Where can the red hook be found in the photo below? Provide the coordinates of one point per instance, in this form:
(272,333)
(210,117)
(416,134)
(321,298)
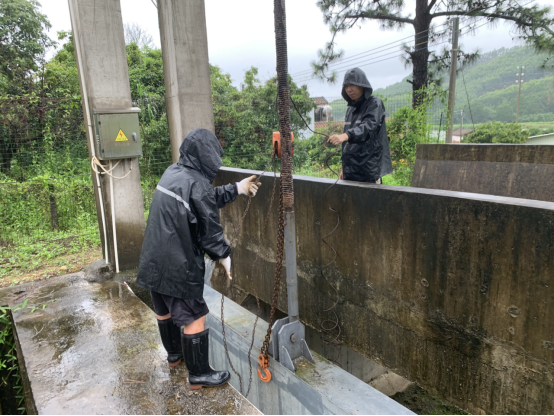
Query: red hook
(264,362)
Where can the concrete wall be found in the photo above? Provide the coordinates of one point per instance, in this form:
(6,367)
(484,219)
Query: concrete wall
(518,171)
(450,290)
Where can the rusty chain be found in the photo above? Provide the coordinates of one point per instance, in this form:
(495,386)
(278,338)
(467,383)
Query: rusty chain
(236,229)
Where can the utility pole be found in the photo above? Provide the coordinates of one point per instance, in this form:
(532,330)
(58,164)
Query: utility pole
(104,82)
(461,125)
(453,69)
(519,92)
(188,96)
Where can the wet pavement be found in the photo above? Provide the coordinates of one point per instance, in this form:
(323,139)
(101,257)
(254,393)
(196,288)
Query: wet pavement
(95,349)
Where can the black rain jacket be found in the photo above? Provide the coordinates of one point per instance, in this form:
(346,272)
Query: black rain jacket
(183,222)
(366,154)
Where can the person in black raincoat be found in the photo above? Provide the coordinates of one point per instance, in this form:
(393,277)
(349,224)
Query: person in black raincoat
(183,225)
(365,143)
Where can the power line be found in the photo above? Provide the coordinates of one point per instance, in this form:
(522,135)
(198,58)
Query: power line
(397,41)
(304,78)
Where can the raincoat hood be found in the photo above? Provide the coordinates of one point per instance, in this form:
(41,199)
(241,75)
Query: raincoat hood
(356,77)
(202,152)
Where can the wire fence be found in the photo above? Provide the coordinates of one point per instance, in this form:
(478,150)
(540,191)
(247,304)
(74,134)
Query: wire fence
(46,187)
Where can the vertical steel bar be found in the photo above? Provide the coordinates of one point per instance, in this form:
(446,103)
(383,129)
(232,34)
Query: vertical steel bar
(292,278)
(287,190)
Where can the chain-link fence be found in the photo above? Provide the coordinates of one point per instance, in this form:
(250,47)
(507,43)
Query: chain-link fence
(46,187)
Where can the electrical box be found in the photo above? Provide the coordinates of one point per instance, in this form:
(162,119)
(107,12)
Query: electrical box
(117,133)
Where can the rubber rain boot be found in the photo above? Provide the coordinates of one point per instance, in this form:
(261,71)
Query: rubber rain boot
(169,332)
(195,351)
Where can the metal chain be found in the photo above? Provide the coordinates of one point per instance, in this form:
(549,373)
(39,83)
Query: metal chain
(286,192)
(235,235)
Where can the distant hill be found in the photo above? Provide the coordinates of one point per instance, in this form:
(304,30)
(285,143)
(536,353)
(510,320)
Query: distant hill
(490,84)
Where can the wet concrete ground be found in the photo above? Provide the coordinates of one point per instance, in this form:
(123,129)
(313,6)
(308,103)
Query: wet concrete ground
(95,349)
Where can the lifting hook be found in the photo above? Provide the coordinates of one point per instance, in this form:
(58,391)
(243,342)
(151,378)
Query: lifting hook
(264,362)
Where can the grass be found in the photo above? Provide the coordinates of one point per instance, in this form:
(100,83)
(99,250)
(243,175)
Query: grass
(42,260)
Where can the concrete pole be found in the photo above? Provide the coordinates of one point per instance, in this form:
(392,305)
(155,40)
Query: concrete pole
(188,95)
(104,80)
(452,86)
(519,93)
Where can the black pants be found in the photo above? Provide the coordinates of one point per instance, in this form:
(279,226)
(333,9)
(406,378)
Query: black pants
(182,311)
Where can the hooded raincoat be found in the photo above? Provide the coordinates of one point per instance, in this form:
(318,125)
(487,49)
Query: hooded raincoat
(183,223)
(366,154)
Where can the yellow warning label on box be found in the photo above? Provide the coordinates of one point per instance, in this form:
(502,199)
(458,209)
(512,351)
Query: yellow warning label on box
(121,137)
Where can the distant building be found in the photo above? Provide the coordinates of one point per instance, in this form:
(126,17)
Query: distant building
(323,112)
(541,139)
(458,134)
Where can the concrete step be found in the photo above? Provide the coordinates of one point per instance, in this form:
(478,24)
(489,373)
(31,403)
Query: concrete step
(95,349)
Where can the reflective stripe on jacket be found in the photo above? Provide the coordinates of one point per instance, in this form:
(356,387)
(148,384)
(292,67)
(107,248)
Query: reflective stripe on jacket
(183,222)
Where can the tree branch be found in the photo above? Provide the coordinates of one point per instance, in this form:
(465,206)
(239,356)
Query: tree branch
(381,16)
(433,2)
(493,15)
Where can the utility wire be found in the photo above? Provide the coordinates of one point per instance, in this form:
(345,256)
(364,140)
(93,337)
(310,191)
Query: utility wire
(367,62)
(341,61)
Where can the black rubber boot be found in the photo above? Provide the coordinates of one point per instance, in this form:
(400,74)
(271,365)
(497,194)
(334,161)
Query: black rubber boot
(195,351)
(171,341)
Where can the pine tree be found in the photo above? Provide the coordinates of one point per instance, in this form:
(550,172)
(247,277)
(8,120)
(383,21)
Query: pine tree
(531,23)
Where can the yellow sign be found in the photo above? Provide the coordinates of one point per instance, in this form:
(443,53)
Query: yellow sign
(121,137)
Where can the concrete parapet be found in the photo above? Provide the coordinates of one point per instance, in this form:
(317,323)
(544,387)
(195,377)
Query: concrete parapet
(518,171)
(451,290)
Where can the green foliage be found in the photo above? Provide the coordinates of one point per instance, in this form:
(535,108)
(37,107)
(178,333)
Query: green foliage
(497,132)
(536,131)
(23,42)
(245,120)
(9,364)
(315,154)
(490,84)
(60,77)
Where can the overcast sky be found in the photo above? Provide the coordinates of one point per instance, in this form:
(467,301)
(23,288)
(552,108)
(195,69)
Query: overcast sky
(240,35)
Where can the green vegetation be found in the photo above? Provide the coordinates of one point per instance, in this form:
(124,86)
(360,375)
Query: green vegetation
(406,128)
(9,365)
(492,91)
(497,132)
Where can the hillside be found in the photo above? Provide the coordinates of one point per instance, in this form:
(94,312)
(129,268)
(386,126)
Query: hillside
(492,89)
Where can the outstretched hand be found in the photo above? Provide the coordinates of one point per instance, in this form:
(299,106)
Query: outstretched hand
(248,187)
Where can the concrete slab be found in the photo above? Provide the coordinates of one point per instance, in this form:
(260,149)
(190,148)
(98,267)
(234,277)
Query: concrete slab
(320,388)
(95,349)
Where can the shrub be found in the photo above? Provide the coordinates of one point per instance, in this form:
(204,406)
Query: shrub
(497,132)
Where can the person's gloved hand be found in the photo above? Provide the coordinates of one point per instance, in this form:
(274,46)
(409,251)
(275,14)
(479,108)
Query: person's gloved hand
(247,187)
(226,263)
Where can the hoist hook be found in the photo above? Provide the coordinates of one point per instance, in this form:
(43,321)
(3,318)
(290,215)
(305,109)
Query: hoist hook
(264,362)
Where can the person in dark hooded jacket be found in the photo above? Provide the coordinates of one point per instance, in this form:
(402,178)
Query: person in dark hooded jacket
(183,225)
(365,143)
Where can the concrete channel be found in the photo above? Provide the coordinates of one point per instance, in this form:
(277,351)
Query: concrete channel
(95,349)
